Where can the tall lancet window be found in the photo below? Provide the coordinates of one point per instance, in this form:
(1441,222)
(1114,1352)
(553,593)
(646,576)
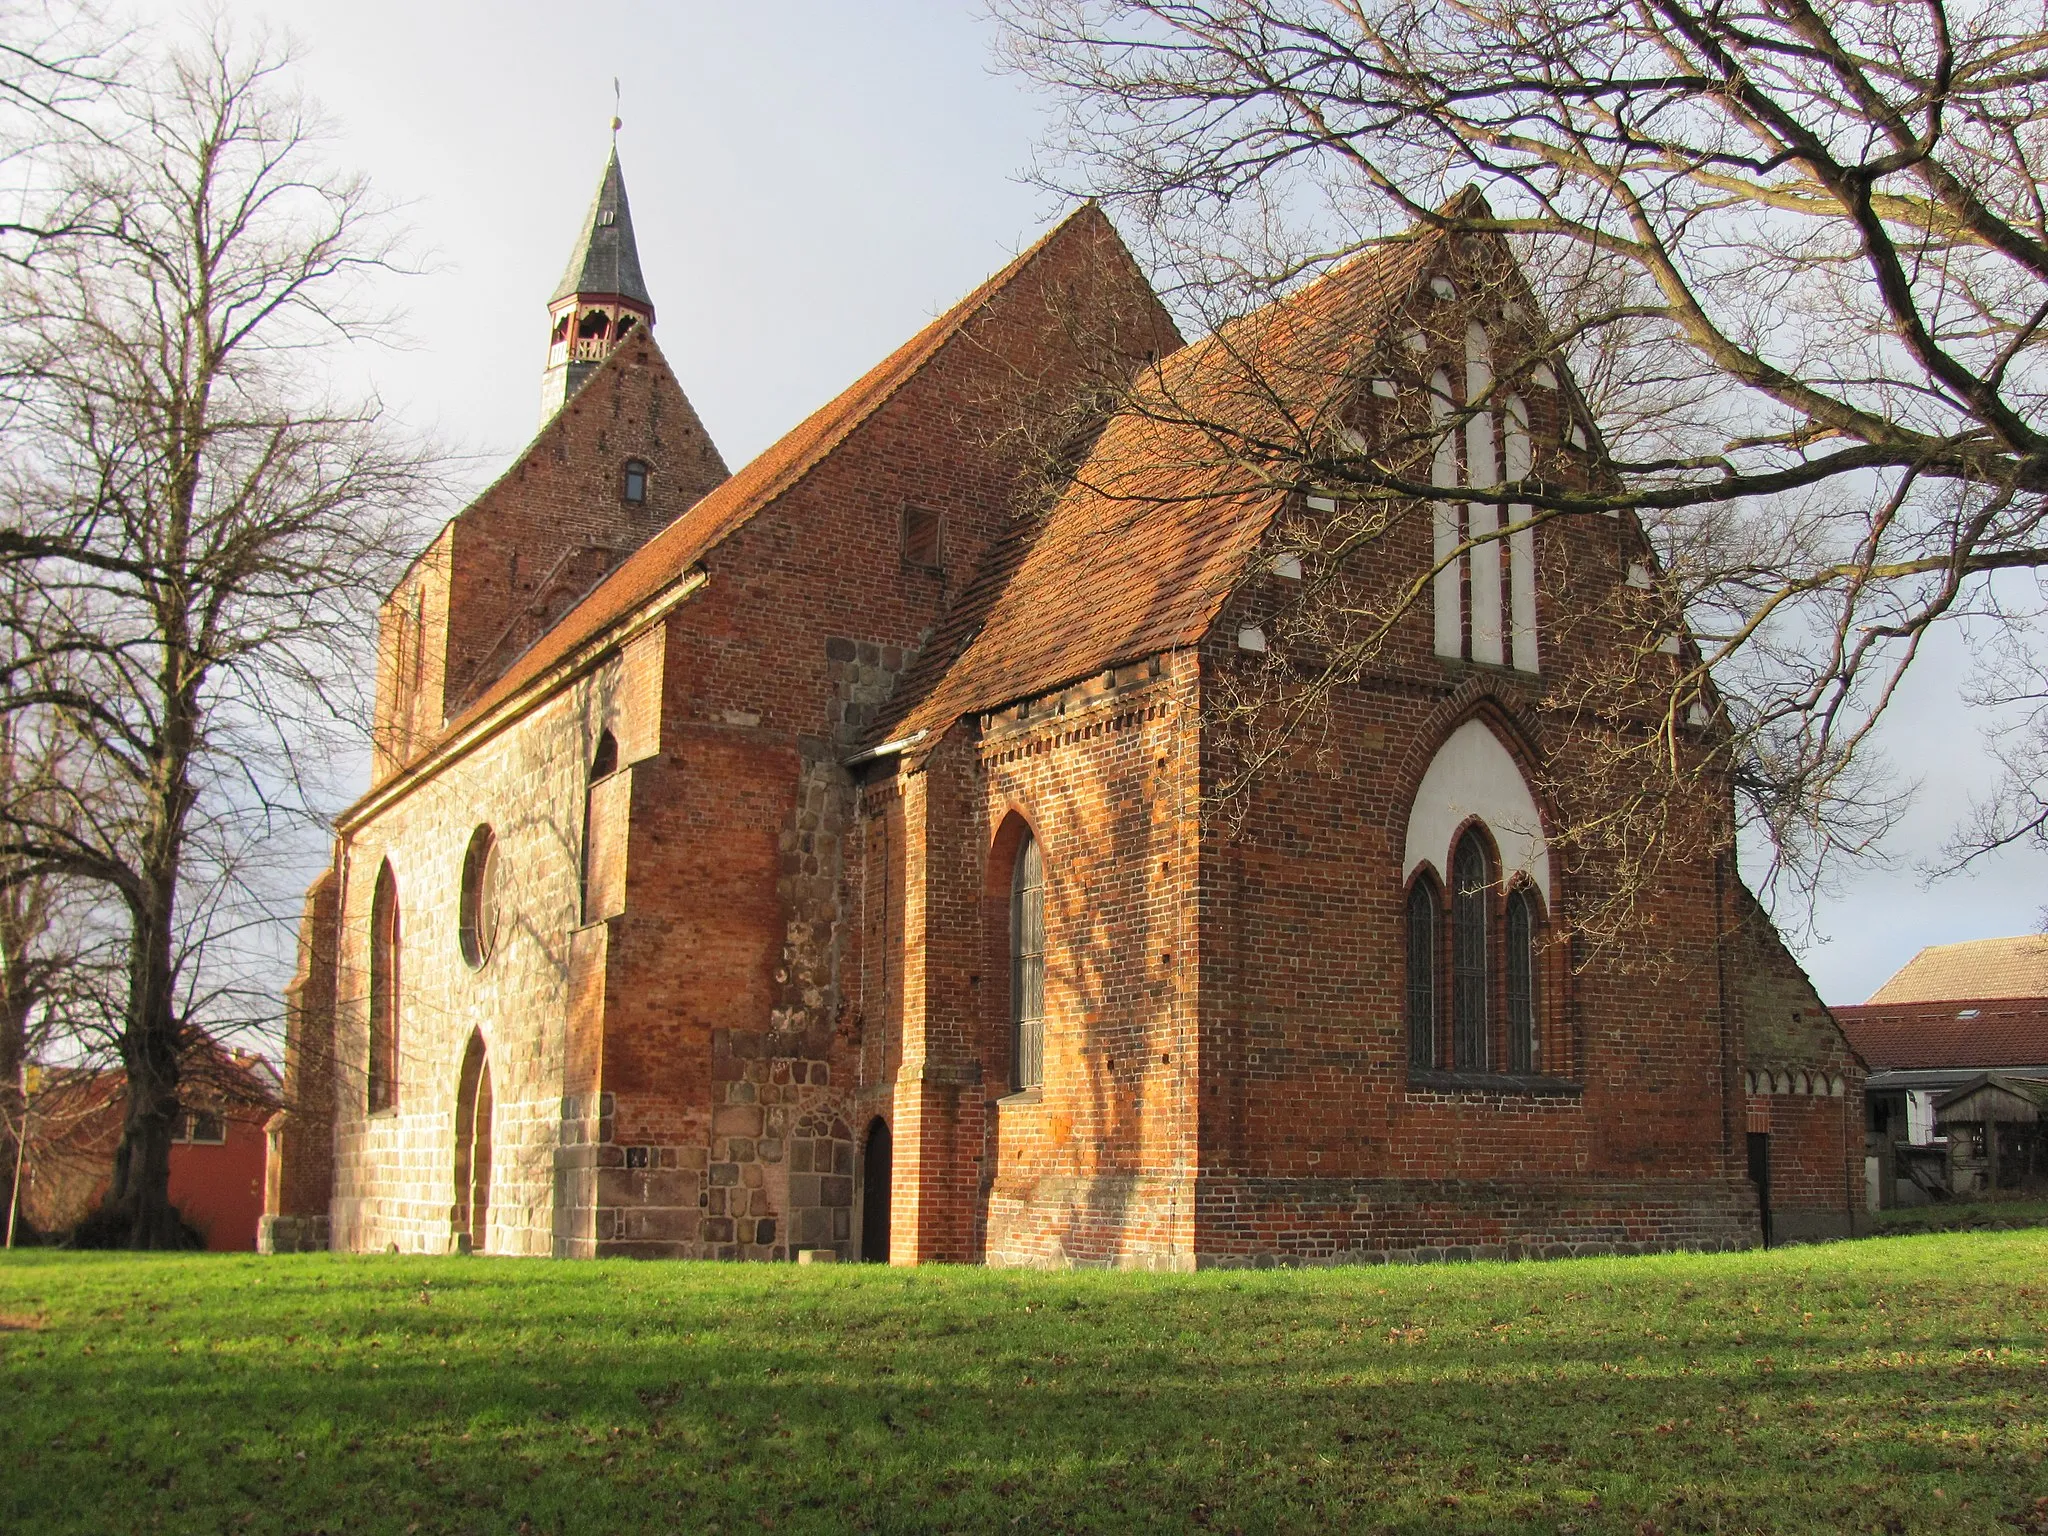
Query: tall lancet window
(1449,587)
(1521,932)
(1424,904)
(1027,966)
(1471,953)
(1482,471)
(384,958)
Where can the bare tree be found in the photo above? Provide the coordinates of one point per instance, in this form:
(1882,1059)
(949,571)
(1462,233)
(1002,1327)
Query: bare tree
(1796,255)
(198,527)
(58,960)
(58,61)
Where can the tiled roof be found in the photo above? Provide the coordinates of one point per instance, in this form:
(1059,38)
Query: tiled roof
(1980,968)
(1989,1032)
(1138,554)
(648,570)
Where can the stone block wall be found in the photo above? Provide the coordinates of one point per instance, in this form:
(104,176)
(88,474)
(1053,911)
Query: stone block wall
(394,1178)
(298,1178)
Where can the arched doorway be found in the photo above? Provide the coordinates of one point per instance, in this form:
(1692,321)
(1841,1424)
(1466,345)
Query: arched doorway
(472,1213)
(874,1191)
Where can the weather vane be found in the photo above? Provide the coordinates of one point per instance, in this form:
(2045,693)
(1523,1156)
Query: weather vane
(617,121)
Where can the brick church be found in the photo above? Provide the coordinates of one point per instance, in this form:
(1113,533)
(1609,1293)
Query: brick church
(821,855)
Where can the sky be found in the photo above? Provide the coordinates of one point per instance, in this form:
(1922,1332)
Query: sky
(810,183)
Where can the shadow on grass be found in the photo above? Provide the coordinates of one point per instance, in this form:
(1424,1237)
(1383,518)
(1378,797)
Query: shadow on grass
(1815,1389)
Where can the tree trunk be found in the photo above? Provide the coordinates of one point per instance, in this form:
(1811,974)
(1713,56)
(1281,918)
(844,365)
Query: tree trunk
(14,1013)
(138,1212)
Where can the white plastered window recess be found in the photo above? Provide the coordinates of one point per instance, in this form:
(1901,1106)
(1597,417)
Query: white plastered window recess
(1482,471)
(1521,542)
(1449,587)
(1474,776)
(1501,627)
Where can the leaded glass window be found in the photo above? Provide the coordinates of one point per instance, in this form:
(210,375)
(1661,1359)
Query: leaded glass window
(1422,978)
(1471,957)
(1521,978)
(1027,973)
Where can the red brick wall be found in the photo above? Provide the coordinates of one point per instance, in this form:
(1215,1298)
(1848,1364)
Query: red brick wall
(218,1189)
(1098,1165)
(732,1054)
(1802,1084)
(519,557)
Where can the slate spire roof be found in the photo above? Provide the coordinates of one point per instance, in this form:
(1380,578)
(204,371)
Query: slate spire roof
(606,261)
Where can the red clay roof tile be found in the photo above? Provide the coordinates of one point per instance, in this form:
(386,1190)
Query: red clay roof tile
(1992,1032)
(1142,548)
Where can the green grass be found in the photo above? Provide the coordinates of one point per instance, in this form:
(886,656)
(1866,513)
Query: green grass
(1980,1215)
(1892,1386)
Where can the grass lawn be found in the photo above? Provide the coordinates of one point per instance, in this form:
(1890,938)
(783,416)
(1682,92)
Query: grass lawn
(1894,1385)
(1963,1216)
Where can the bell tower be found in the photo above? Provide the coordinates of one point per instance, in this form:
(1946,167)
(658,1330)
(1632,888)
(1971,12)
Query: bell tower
(602,298)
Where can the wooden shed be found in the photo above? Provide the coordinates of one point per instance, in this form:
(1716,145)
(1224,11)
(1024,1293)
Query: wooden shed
(1995,1125)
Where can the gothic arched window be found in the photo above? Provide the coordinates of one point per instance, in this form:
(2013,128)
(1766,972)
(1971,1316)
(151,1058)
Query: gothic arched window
(1471,952)
(478,908)
(1521,936)
(1424,908)
(384,958)
(603,764)
(1027,966)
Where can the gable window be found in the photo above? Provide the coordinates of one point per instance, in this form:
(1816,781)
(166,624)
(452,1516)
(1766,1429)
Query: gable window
(1521,933)
(1471,957)
(635,487)
(923,539)
(478,908)
(1424,905)
(603,764)
(1027,967)
(384,957)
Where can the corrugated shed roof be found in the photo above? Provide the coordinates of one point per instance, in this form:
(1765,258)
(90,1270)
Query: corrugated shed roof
(1979,968)
(1980,1034)
(649,570)
(1139,552)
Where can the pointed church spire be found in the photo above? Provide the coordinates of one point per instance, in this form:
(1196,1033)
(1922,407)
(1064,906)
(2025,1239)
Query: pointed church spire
(602,297)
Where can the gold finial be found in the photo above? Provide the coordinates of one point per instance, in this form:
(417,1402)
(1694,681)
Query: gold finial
(617,121)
